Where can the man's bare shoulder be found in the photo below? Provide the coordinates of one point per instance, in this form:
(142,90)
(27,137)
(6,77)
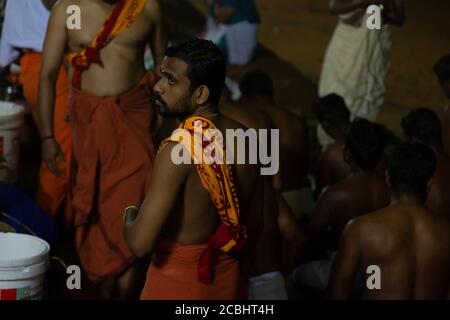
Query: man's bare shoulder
(264,121)
(367,224)
(228,123)
(164,158)
(334,195)
(62,5)
(152,8)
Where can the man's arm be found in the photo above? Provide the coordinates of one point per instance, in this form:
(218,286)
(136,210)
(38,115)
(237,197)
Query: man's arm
(158,36)
(396,12)
(346,263)
(325,169)
(321,218)
(53,55)
(142,229)
(346,6)
(225,10)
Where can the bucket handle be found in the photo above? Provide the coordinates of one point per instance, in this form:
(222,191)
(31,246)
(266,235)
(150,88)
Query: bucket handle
(61,261)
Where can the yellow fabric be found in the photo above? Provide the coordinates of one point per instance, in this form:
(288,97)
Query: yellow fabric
(217,178)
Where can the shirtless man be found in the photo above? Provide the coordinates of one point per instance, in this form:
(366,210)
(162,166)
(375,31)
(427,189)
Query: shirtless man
(111,114)
(334,117)
(365,190)
(423,126)
(406,241)
(257,110)
(178,219)
(442,70)
(258,95)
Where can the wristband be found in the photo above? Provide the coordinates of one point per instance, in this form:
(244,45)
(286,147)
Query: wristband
(52,136)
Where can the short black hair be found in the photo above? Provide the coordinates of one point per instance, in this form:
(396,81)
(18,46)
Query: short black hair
(365,144)
(424,125)
(442,68)
(206,65)
(333,110)
(257,83)
(410,167)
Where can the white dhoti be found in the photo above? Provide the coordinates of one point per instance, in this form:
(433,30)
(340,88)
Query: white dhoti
(268,286)
(241,39)
(355,67)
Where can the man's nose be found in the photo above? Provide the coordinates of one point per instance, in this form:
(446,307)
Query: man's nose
(158,87)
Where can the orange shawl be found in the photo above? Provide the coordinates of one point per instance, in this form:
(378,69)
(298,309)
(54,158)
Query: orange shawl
(218,179)
(123,15)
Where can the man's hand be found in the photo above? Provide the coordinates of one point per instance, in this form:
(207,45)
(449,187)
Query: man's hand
(51,151)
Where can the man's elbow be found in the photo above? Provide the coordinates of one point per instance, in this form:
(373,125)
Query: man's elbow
(136,247)
(48,77)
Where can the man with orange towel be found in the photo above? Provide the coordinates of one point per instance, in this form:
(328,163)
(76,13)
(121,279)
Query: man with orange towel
(202,220)
(112,117)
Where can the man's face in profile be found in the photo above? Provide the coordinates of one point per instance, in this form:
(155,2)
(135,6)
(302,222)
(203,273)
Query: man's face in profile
(172,93)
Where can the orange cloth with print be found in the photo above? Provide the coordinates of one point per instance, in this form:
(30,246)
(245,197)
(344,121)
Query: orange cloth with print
(218,178)
(114,153)
(53,191)
(123,15)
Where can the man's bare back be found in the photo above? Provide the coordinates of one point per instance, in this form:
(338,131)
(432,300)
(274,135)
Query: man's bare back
(122,59)
(410,245)
(293,140)
(332,166)
(360,193)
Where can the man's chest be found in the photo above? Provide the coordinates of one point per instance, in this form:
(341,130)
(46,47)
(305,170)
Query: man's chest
(92,21)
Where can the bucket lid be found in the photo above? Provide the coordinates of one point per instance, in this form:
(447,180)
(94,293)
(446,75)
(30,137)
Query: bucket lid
(9,109)
(20,250)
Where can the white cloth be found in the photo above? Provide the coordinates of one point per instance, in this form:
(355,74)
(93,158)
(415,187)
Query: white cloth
(314,274)
(24,26)
(241,39)
(268,286)
(355,67)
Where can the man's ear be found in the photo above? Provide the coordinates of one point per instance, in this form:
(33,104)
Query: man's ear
(201,95)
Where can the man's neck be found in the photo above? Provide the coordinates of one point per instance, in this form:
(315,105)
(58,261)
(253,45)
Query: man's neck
(407,199)
(258,102)
(207,111)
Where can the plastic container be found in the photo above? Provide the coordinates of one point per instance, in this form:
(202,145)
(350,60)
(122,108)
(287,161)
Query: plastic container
(11,121)
(24,260)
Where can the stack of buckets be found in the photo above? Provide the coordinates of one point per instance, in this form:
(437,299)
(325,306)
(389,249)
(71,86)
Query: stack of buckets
(11,121)
(24,259)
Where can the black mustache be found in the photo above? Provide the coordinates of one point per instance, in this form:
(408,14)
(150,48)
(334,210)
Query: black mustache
(157,97)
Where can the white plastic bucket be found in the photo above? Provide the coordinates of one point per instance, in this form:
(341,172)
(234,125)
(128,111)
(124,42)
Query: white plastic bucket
(24,260)
(11,121)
